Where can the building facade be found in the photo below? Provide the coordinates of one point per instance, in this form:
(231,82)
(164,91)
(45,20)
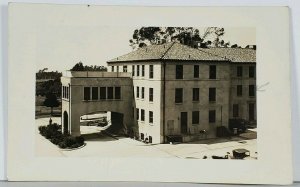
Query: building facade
(172,90)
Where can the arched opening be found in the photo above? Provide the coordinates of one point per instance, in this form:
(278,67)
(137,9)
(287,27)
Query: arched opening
(66,124)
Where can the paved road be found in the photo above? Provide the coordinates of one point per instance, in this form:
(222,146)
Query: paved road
(100,145)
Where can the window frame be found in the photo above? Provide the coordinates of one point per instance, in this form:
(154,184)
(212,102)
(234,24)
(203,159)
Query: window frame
(151,94)
(251,90)
(179,71)
(180,101)
(97,93)
(110,90)
(212,72)
(85,88)
(196,98)
(239,71)
(151,117)
(142,115)
(196,71)
(151,72)
(212,95)
(239,90)
(102,92)
(252,71)
(118,88)
(210,119)
(195,117)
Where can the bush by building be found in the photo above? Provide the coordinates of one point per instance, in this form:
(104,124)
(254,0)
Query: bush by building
(53,133)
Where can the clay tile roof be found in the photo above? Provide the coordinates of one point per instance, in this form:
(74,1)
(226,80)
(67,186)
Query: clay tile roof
(177,51)
(234,54)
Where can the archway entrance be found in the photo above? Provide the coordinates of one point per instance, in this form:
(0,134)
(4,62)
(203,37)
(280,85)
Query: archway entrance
(65,126)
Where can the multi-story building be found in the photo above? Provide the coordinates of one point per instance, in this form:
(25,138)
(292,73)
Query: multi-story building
(167,90)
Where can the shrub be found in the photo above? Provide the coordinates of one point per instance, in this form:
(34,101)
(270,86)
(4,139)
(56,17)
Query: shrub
(53,133)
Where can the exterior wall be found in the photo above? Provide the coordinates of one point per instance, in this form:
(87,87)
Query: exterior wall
(173,110)
(79,107)
(244,100)
(148,129)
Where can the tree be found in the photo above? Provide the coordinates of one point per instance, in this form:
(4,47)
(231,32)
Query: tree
(186,35)
(51,101)
(80,67)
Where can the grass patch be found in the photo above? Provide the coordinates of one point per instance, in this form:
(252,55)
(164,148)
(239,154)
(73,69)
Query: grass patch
(53,133)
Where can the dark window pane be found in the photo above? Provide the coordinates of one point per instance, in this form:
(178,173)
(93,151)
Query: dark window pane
(252,71)
(142,115)
(137,92)
(117,92)
(102,93)
(196,71)
(143,92)
(239,72)
(112,68)
(212,72)
(142,136)
(124,68)
(87,92)
(143,70)
(179,71)
(239,90)
(150,117)
(68,92)
(117,68)
(195,94)
(195,117)
(94,93)
(151,71)
(137,114)
(178,95)
(133,70)
(212,116)
(212,94)
(110,92)
(235,110)
(138,70)
(151,94)
(251,90)
(150,139)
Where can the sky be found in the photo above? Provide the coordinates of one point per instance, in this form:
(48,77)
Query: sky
(59,48)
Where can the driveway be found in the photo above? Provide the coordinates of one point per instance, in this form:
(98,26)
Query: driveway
(101,145)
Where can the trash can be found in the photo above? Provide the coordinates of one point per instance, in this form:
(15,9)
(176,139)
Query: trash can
(235,131)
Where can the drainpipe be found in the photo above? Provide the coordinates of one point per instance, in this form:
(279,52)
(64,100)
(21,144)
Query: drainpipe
(164,100)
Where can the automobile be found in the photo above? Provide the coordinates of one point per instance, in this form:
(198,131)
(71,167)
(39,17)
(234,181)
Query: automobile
(240,153)
(239,124)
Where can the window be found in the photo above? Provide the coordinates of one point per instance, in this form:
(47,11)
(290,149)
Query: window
(143,70)
(143,92)
(137,114)
(235,110)
(239,90)
(212,94)
(179,71)
(178,95)
(138,70)
(142,115)
(124,68)
(150,139)
(94,93)
(251,91)
(196,71)
(137,92)
(212,72)
(112,68)
(102,93)
(68,91)
(133,70)
(239,71)
(212,116)
(110,92)
(251,71)
(195,94)
(150,117)
(117,92)
(151,94)
(151,71)
(195,117)
(117,68)
(87,93)
(142,136)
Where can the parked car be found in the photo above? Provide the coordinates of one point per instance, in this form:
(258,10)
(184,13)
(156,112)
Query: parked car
(239,124)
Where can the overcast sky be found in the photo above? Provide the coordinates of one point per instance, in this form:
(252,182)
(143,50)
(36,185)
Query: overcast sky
(60,48)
